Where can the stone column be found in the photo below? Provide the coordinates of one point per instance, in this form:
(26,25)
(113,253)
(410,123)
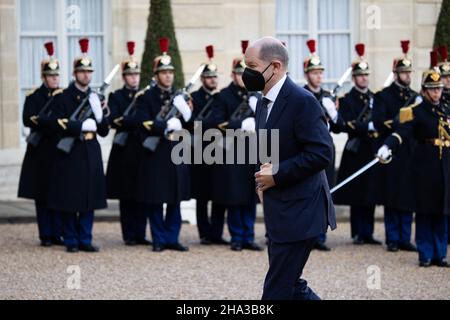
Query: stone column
(9,80)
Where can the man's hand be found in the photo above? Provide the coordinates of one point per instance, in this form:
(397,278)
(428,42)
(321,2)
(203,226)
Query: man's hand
(330,106)
(260,196)
(174,124)
(183,107)
(89,125)
(264,178)
(384,154)
(248,125)
(96,106)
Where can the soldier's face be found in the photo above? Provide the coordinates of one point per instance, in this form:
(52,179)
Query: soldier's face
(404,78)
(84,78)
(446,81)
(315,78)
(165,78)
(52,81)
(132,80)
(362,81)
(210,83)
(433,95)
(237,79)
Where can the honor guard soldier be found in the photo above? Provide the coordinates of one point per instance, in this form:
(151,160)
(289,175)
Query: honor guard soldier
(395,184)
(355,109)
(233,184)
(313,70)
(444,68)
(210,230)
(122,171)
(160,181)
(77,185)
(428,122)
(38,161)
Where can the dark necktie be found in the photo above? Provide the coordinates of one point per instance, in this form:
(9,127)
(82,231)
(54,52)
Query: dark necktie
(264,112)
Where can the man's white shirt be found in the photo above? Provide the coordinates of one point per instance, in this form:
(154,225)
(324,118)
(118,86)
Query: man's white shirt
(273,93)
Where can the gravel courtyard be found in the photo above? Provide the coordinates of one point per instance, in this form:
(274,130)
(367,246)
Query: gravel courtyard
(28,271)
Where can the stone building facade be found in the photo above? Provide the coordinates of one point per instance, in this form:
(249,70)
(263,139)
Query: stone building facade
(339,24)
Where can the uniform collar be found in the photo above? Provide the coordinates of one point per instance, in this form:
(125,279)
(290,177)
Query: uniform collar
(76,93)
(208,92)
(45,90)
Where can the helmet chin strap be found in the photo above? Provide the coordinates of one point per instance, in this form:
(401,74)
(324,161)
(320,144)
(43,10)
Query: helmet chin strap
(427,97)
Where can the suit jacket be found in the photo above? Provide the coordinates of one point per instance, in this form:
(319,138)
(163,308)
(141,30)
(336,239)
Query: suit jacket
(299,207)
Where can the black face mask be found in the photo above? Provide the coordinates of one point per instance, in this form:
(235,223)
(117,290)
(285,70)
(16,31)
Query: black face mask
(254,80)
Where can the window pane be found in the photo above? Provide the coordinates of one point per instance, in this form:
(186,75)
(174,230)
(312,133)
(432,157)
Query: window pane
(95,52)
(32,52)
(84,16)
(297,53)
(292,15)
(334,51)
(38,16)
(334,14)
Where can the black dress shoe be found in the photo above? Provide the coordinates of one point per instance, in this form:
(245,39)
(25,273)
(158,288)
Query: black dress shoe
(441,263)
(221,242)
(392,247)
(236,246)
(130,243)
(205,242)
(407,247)
(72,249)
(372,241)
(57,241)
(88,248)
(177,247)
(46,243)
(321,246)
(425,264)
(252,246)
(143,242)
(158,248)
(358,241)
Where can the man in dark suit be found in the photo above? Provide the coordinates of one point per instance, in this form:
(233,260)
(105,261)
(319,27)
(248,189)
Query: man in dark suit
(295,193)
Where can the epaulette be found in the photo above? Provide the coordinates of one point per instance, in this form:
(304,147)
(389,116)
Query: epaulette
(407,113)
(142,92)
(56,92)
(223,126)
(29,93)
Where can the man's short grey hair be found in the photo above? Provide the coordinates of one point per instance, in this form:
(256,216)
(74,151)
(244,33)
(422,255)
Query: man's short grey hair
(274,51)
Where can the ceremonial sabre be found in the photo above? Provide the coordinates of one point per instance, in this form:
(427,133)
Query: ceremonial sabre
(389,80)
(341,81)
(358,173)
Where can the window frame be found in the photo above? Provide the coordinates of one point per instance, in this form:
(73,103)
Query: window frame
(62,36)
(313,31)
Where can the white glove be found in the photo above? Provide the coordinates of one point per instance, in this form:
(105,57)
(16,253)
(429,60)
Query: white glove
(384,153)
(329,105)
(418,100)
(182,107)
(89,125)
(248,125)
(174,124)
(371,126)
(96,106)
(252,102)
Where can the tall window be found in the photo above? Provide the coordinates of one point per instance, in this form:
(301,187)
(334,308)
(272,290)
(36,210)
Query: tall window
(327,21)
(64,22)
